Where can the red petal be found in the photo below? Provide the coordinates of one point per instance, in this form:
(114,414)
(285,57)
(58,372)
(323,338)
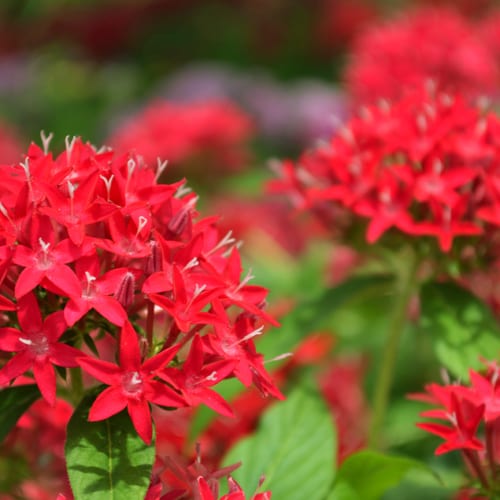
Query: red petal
(16,366)
(27,280)
(104,371)
(29,316)
(65,279)
(130,354)
(65,355)
(161,394)
(9,340)
(75,309)
(111,309)
(141,418)
(46,380)
(54,325)
(108,403)
(161,359)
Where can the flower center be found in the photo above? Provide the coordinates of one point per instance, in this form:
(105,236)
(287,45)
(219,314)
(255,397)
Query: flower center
(37,344)
(132,384)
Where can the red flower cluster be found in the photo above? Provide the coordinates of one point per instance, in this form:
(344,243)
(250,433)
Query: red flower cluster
(92,245)
(426,165)
(215,131)
(197,481)
(472,425)
(427,43)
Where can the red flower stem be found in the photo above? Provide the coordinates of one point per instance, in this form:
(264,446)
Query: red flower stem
(150,320)
(490,449)
(403,294)
(472,458)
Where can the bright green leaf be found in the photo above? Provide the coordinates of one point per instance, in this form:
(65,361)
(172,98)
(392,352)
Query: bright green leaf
(294,448)
(106,459)
(367,475)
(461,327)
(14,401)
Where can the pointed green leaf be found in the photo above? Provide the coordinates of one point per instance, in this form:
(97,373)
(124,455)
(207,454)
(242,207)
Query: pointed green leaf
(461,327)
(14,401)
(294,448)
(367,475)
(106,460)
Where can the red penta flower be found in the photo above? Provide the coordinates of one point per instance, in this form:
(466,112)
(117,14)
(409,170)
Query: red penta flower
(36,347)
(424,165)
(91,242)
(436,44)
(133,383)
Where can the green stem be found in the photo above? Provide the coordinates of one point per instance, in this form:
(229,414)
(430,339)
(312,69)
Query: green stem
(404,291)
(76,385)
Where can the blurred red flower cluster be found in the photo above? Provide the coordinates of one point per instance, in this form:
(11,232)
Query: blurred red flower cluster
(211,135)
(426,164)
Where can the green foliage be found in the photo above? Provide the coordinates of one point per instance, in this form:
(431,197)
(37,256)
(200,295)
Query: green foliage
(294,448)
(106,459)
(367,475)
(14,401)
(462,327)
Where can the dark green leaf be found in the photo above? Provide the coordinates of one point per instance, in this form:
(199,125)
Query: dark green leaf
(462,327)
(367,475)
(14,401)
(294,448)
(89,342)
(106,459)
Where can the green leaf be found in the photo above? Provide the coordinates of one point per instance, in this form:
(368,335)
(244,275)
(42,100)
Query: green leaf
(14,401)
(461,327)
(367,475)
(294,448)
(317,313)
(106,459)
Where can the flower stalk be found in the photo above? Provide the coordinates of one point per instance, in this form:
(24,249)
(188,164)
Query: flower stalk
(404,290)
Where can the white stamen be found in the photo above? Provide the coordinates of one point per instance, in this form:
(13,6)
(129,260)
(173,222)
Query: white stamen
(69,146)
(26,167)
(276,167)
(25,341)
(45,246)
(198,289)
(141,224)
(227,240)
(89,277)
(181,191)
(108,183)
(162,165)
(212,377)
(131,164)
(71,189)
(46,139)
(192,263)
(248,336)
(3,211)
(285,355)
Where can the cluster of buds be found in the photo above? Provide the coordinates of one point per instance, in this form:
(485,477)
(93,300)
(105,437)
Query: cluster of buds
(215,130)
(92,250)
(472,425)
(426,165)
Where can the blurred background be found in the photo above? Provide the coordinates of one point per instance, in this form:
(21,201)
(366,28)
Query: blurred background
(79,67)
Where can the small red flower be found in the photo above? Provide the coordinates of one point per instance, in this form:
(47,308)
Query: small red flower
(132,383)
(36,346)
